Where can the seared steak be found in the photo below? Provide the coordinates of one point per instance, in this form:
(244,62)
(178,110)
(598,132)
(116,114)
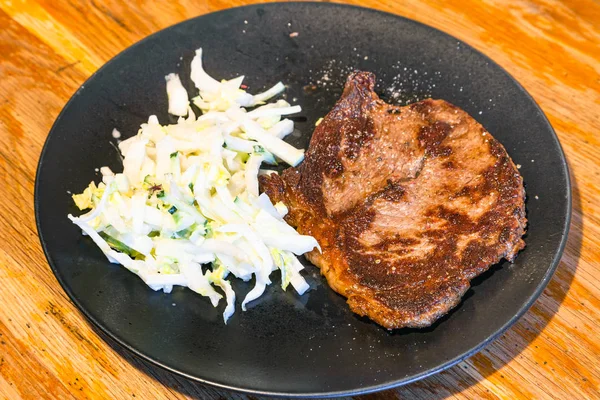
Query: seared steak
(408,203)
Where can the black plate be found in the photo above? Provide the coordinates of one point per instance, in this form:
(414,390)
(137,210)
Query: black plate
(285,344)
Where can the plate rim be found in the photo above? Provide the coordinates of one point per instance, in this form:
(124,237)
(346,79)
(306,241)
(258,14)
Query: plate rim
(322,394)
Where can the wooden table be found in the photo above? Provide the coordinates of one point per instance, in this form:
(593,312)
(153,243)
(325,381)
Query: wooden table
(48,48)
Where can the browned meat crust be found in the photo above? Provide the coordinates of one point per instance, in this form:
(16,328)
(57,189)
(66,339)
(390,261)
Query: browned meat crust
(408,203)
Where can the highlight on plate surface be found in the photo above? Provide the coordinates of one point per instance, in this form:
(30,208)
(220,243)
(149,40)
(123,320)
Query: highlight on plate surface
(188,194)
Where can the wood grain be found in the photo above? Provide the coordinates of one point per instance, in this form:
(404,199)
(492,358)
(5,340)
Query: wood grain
(48,48)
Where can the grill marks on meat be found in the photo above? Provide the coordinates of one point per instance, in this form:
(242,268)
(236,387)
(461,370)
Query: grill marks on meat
(408,203)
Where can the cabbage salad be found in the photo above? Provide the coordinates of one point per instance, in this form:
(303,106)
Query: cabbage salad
(188,194)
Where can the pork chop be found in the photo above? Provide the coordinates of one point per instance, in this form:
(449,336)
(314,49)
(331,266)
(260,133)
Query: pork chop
(408,204)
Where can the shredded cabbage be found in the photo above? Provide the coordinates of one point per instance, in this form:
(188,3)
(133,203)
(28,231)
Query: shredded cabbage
(188,195)
(178,97)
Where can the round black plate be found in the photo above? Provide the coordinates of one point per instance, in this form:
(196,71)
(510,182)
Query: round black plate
(286,344)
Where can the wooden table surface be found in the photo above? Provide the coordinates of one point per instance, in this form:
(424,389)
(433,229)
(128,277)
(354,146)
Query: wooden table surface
(49,47)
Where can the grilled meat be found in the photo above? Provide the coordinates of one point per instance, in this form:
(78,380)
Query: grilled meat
(408,203)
